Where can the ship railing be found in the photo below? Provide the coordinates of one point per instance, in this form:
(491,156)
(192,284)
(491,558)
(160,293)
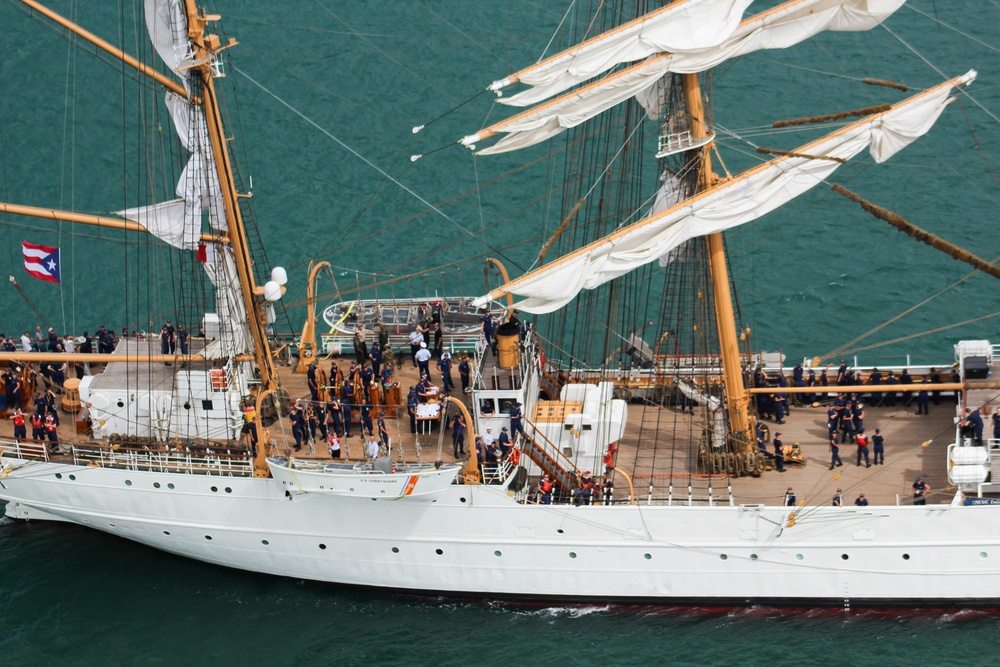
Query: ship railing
(226,465)
(33,451)
(496,473)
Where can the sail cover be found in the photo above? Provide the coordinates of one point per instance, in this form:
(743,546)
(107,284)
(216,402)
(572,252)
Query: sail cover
(692,25)
(779,28)
(743,199)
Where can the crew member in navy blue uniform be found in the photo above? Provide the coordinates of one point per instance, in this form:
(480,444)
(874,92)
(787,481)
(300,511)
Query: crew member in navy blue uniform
(995,417)
(838,498)
(504,441)
(312,383)
(923,400)
(798,380)
(834,453)
(811,381)
(779,453)
(920,488)
(295,417)
(489,328)
(464,373)
(348,406)
(444,365)
(789,497)
(842,373)
(375,356)
(875,379)
(878,448)
(411,408)
(516,425)
(890,396)
(935,379)
(906,378)
(366,419)
(780,405)
(858,417)
(832,420)
(846,423)
(975,420)
(861,501)
(383,431)
(333,415)
(367,375)
(458,435)
(182,337)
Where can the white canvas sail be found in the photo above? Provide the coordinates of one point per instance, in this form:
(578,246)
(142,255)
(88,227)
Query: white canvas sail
(166,221)
(167,26)
(691,25)
(779,28)
(736,202)
(221,269)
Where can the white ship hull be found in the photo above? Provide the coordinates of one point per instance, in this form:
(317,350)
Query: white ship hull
(478,541)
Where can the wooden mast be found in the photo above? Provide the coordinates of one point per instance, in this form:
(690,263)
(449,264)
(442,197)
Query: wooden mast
(206,48)
(737,400)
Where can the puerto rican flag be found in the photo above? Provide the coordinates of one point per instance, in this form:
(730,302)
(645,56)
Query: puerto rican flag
(41,261)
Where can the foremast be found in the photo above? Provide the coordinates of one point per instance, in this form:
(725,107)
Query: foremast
(737,401)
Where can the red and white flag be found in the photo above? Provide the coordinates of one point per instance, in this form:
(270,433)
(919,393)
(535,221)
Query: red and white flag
(41,261)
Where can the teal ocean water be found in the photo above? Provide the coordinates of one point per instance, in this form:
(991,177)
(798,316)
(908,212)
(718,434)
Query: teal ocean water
(327,95)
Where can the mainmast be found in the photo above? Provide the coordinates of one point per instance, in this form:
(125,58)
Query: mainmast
(207,47)
(736,396)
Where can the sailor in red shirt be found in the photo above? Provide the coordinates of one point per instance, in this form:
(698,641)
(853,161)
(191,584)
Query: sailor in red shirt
(20,431)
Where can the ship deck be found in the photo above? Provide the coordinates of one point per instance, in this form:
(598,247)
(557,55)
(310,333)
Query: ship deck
(915,445)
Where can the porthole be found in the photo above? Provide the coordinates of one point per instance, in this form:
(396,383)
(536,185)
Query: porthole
(844,556)
(322,546)
(395,550)
(128,482)
(559,530)
(58,475)
(498,553)
(461,500)
(73,477)
(112,525)
(799,556)
(170,485)
(215,489)
(753,556)
(648,556)
(156,485)
(572,554)
(982,554)
(208,537)
(264,542)
(166,532)
(906,556)
(228,490)
(438,552)
(723,556)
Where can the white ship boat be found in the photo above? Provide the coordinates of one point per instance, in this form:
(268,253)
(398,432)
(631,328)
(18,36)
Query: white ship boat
(167,468)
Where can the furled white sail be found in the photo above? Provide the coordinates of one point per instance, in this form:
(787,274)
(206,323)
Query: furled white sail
(167,222)
(732,203)
(779,28)
(690,25)
(167,26)
(221,269)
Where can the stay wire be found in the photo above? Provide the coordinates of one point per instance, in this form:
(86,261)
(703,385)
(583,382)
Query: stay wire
(371,164)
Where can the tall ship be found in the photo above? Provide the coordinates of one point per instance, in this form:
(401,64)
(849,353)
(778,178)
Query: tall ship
(622,446)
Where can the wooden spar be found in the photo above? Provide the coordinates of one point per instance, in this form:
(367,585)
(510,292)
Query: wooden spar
(887,84)
(695,199)
(568,53)
(96,358)
(506,278)
(206,47)
(82,218)
(140,67)
(877,388)
(307,344)
(737,400)
(911,230)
